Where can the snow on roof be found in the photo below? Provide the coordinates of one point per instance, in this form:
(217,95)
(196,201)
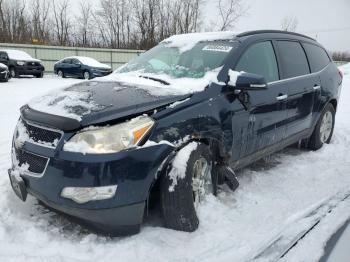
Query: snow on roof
(186,42)
(89,61)
(19,55)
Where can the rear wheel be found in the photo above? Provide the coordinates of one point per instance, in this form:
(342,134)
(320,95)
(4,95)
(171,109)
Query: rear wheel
(13,72)
(183,189)
(41,75)
(324,129)
(87,75)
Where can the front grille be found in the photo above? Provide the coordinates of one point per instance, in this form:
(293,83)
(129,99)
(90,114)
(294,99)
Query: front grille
(32,63)
(37,164)
(42,135)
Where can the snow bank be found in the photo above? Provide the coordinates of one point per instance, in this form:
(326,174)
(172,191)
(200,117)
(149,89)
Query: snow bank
(90,62)
(71,104)
(20,55)
(186,42)
(179,164)
(345,69)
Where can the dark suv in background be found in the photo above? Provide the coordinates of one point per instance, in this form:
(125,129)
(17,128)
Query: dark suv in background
(21,63)
(81,67)
(172,124)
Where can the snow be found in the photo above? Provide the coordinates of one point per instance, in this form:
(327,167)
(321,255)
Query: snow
(63,102)
(3,66)
(233,77)
(179,164)
(274,195)
(19,55)
(89,61)
(186,42)
(177,86)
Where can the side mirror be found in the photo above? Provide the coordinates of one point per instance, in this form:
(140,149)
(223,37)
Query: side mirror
(247,81)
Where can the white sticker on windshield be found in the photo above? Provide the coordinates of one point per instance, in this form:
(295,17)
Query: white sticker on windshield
(217,48)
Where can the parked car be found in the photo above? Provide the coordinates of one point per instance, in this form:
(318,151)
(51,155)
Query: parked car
(171,125)
(82,67)
(4,73)
(21,63)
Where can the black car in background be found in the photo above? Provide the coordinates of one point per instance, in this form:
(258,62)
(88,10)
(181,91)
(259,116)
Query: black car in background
(81,67)
(4,73)
(21,63)
(171,125)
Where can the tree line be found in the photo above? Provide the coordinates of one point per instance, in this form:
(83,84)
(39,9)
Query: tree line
(133,24)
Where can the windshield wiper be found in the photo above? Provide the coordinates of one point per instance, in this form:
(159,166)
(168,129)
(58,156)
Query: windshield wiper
(156,79)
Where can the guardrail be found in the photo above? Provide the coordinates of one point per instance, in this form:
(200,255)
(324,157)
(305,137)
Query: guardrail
(51,54)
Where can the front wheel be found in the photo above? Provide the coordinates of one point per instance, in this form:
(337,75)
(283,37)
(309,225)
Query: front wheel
(184,185)
(324,129)
(60,74)
(41,75)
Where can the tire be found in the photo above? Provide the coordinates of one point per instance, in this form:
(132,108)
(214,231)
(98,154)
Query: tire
(86,75)
(179,201)
(60,74)
(41,75)
(13,72)
(324,129)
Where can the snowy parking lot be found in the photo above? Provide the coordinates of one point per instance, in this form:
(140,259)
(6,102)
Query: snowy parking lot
(278,201)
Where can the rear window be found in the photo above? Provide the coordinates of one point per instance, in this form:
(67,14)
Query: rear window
(318,57)
(293,59)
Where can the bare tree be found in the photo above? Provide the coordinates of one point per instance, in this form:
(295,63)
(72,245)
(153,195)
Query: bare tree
(62,22)
(230,11)
(84,26)
(289,23)
(40,22)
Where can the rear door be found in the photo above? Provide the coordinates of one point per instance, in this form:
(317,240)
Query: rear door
(75,67)
(302,85)
(267,114)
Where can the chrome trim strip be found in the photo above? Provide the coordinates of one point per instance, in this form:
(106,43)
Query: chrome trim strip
(296,77)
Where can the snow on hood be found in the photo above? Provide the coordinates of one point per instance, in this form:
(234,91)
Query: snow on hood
(90,62)
(177,86)
(20,55)
(186,42)
(3,66)
(67,103)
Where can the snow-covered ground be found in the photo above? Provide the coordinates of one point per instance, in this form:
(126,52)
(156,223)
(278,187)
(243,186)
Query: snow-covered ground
(277,201)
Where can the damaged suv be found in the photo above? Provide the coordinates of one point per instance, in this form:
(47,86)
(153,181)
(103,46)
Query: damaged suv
(171,125)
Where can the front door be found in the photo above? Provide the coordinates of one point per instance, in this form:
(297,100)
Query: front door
(267,113)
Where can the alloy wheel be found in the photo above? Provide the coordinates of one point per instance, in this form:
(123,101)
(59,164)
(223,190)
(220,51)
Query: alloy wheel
(326,126)
(201,181)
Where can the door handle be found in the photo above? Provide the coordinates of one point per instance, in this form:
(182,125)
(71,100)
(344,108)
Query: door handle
(282,97)
(317,87)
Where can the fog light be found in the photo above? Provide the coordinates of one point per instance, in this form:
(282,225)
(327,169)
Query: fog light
(83,195)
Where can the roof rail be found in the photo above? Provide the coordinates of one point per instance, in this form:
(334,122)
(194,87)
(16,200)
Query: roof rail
(248,33)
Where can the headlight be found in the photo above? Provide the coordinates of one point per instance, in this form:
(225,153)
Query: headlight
(110,139)
(20,63)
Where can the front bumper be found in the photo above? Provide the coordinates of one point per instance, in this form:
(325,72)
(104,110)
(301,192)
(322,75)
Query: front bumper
(134,171)
(96,73)
(29,70)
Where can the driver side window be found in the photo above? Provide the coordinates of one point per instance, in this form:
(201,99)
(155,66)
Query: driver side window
(260,59)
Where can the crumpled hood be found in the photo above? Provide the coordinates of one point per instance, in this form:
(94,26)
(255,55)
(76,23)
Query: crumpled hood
(94,102)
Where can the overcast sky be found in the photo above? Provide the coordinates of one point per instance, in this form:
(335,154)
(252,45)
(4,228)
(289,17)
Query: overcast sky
(326,20)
